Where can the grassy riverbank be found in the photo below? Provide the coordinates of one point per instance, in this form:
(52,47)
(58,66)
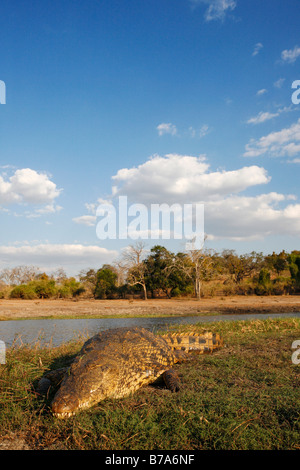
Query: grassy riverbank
(245,396)
(16,309)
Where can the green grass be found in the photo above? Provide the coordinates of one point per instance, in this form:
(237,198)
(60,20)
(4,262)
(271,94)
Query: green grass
(244,396)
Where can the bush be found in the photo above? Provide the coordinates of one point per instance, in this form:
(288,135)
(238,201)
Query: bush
(229,288)
(45,289)
(185,292)
(176,292)
(264,277)
(70,288)
(64,292)
(282,286)
(78,291)
(23,291)
(264,285)
(263,290)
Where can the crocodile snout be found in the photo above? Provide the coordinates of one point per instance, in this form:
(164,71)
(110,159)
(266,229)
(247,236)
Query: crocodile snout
(63,407)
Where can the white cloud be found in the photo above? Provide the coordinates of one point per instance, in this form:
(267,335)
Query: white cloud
(279,83)
(284,143)
(166,128)
(249,218)
(265,116)
(89,220)
(290,55)
(262,117)
(183,178)
(228,213)
(261,92)
(28,186)
(171,129)
(202,132)
(49,209)
(71,256)
(257,48)
(217,9)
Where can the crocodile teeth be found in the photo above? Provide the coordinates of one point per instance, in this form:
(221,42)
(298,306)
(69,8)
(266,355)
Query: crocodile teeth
(63,415)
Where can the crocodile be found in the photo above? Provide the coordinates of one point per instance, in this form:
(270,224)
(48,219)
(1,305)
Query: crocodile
(117,362)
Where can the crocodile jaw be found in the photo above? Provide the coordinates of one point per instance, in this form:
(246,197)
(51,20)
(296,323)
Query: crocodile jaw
(67,414)
(63,415)
(64,407)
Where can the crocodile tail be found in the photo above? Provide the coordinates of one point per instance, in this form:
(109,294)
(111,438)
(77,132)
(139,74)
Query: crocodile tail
(194,342)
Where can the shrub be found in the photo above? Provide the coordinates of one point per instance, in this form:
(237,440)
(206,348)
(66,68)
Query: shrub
(183,292)
(282,285)
(70,288)
(264,285)
(64,292)
(229,288)
(23,291)
(78,291)
(264,277)
(45,289)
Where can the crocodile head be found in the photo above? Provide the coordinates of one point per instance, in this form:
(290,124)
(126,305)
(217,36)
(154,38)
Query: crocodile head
(88,381)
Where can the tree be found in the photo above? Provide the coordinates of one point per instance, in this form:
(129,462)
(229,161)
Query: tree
(133,258)
(89,279)
(120,269)
(19,275)
(60,275)
(106,282)
(241,266)
(277,262)
(202,268)
(294,266)
(158,276)
(180,275)
(196,266)
(264,277)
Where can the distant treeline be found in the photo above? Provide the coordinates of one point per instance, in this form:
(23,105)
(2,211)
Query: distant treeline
(161,273)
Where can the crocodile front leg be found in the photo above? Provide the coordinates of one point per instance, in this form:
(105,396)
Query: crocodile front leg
(54,378)
(171,380)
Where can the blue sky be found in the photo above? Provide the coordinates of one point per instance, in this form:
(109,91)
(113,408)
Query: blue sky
(166,101)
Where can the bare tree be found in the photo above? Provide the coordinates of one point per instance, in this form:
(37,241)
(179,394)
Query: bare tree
(60,275)
(120,268)
(201,268)
(19,275)
(133,258)
(7,275)
(196,265)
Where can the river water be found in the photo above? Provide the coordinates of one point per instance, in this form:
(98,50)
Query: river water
(53,332)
